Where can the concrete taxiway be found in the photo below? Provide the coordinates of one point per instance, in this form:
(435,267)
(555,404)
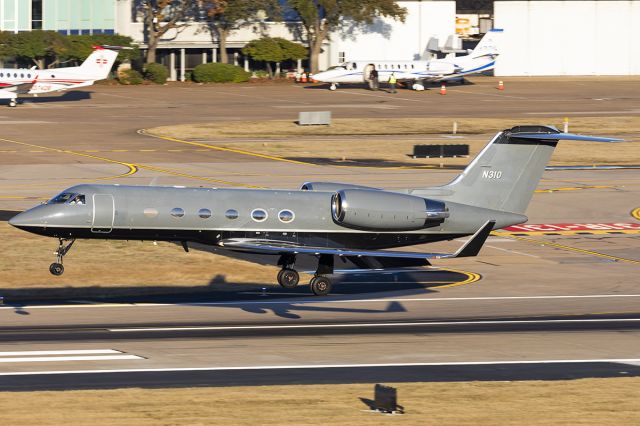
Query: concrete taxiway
(535,306)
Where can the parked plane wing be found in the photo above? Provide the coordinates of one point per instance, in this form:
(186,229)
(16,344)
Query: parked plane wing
(261,246)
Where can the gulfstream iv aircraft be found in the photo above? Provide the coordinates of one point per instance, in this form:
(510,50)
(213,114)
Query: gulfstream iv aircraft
(322,220)
(14,82)
(416,73)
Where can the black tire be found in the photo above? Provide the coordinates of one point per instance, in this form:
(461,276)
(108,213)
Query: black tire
(56,269)
(288,278)
(320,286)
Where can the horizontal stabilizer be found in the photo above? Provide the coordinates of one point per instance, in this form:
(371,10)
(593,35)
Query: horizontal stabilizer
(563,137)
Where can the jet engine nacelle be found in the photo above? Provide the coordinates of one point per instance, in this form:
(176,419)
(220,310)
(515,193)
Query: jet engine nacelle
(385,211)
(332,186)
(441,68)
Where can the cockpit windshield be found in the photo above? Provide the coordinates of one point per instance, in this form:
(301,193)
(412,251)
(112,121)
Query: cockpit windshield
(336,67)
(68,198)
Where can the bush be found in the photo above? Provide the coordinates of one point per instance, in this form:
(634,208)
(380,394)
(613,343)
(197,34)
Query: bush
(130,76)
(156,73)
(219,73)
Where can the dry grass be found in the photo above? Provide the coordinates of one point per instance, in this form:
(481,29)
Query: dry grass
(578,402)
(393,148)
(98,267)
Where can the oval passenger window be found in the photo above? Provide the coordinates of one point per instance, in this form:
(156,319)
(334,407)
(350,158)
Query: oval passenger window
(259,215)
(231,214)
(204,213)
(286,216)
(177,212)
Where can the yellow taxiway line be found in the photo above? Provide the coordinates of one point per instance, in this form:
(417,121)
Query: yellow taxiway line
(582,232)
(132,169)
(472,277)
(574,249)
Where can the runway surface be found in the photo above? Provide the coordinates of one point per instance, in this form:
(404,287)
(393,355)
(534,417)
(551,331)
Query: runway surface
(541,306)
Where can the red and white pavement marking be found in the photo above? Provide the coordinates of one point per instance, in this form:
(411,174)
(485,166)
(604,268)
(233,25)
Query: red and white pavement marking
(571,228)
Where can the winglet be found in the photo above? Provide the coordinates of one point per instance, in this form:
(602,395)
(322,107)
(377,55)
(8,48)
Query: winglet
(475,243)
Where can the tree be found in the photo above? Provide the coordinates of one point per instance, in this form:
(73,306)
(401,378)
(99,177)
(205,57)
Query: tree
(320,17)
(39,47)
(276,50)
(81,46)
(228,15)
(160,16)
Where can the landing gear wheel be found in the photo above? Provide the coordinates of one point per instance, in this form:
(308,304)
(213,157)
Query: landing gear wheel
(320,286)
(56,269)
(333,86)
(288,278)
(13,103)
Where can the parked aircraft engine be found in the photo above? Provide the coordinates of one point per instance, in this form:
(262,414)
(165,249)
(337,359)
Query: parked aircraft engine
(332,186)
(385,211)
(441,68)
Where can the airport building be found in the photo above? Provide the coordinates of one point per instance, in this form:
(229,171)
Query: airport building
(541,37)
(65,16)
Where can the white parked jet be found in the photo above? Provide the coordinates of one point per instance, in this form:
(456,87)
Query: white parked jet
(14,82)
(416,73)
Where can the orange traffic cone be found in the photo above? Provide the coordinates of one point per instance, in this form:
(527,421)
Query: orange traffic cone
(443,89)
(500,85)
(303,78)
(311,80)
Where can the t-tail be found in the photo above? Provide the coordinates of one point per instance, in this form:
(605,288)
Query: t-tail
(98,65)
(506,172)
(482,57)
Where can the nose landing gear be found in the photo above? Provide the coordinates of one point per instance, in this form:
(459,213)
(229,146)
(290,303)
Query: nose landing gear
(56,267)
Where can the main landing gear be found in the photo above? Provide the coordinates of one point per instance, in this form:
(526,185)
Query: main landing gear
(13,103)
(320,284)
(56,267)
(333,86)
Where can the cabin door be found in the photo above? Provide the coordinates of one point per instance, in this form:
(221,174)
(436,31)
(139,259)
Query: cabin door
(103,213)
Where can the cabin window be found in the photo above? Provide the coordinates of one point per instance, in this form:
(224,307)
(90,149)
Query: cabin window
(53,76)
(259,215)
(21,75)
(149,212)
(1,74)
(355,66)
(231,214)
(177,212)
(204,213)
(411,66)
(15,75)
(28,75)
(286,216)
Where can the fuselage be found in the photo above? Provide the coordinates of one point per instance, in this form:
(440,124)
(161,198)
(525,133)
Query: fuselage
(45,81)
(209,215)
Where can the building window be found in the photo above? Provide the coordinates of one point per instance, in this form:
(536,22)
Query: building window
(286,216)
(204,213)
(231,214)
(177,212)
(259,215)
(341,57)
(36,14)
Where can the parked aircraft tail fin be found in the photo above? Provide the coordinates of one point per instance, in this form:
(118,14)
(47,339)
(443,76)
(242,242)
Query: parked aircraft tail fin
(506,172)
(489,45)
(98,65)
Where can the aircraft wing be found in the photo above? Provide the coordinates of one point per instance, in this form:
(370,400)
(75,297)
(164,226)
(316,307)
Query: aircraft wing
(8,90)
(261,246)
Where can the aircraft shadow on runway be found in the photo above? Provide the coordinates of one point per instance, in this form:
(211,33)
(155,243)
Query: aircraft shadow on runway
(70,96)
(262,298)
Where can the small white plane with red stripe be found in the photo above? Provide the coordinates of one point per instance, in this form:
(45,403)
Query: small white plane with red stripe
(21,81)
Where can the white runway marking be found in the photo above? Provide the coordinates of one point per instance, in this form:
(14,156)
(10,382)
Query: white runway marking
(376,325)
(319,302)
(316,366)
(65,352)
(65,355)
(71,358)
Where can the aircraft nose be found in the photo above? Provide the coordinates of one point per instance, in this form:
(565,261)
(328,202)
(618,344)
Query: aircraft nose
(17,220)
(25,219)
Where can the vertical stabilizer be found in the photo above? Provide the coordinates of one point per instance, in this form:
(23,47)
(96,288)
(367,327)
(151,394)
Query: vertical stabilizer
(506,172)
(98,65)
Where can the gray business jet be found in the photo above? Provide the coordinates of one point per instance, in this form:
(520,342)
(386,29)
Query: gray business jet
(323,220)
